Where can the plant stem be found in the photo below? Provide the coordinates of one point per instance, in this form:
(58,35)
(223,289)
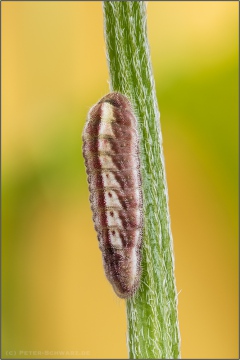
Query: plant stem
(153,330)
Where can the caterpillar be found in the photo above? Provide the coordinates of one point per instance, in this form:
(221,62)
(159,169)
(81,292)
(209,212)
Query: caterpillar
(111,153)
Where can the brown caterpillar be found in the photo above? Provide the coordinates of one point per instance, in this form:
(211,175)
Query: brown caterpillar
(111,153)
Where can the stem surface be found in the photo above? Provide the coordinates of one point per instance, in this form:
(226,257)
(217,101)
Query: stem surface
(153,330)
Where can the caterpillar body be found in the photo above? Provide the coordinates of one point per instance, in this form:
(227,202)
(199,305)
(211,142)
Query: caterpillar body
(111,153)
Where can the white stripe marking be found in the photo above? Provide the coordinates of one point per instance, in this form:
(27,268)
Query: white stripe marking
(109,180)
(111,199)
(106,120)
(115,239)
(106,162)
(104,145)
(113,218)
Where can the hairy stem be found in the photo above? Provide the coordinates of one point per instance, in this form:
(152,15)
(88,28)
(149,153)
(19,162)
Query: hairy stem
(153,330)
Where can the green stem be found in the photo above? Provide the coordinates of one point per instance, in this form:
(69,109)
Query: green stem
(153,330)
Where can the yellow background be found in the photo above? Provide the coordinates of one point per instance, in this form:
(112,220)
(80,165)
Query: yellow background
(54,293)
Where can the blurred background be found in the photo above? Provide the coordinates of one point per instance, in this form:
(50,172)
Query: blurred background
(56,301)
